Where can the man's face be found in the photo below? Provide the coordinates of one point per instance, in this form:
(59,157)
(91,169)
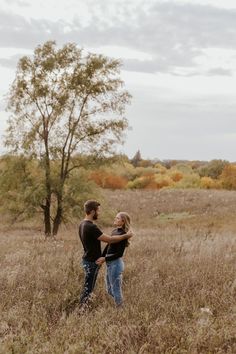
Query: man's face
(96,213)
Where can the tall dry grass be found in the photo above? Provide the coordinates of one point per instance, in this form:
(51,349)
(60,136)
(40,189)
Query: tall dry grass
(179,290)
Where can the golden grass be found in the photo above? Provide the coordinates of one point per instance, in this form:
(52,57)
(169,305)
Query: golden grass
(179,286)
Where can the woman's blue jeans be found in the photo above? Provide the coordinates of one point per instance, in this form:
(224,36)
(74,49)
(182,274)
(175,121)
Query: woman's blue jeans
(91,271)
(114,279)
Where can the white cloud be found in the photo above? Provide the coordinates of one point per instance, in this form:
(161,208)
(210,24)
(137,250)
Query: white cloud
(179,64)
(174,35)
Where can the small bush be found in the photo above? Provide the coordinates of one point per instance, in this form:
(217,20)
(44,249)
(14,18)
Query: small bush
(163,181)
(176,176)
(160,168)
(228,177)
(212,169)
(210,183)
(189,181)
(143,182)
(107,180)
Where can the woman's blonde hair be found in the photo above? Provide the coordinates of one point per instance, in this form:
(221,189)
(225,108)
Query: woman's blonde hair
(126,218)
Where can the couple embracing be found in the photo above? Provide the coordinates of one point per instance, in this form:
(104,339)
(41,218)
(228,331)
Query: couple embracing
(91,237)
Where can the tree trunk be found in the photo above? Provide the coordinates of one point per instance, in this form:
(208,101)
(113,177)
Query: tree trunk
(47,210)
(58,217)
(47,218)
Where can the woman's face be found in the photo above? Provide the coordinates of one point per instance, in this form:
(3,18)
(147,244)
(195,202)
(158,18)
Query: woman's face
(118,221)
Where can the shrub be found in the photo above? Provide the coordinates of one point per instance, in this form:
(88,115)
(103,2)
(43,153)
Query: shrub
(108,180)
(151,181)
(115,182)
(124,169)
(189,181)
(22,189)
(163,181)
(143,182)
(98,176)
(176,176)
(182,167)
(228,176)
(213,168)
(208,183)
(160,168)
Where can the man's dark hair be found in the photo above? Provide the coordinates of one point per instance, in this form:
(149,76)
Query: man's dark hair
(91,205)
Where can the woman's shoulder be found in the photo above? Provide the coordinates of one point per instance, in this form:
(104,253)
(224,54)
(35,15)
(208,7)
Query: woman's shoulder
(118,231)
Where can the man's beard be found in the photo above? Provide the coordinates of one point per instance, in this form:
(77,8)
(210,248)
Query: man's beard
(95,216)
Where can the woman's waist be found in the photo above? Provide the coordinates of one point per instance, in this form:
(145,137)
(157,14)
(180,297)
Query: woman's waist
(117,259)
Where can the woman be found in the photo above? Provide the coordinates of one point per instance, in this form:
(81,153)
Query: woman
(112,255)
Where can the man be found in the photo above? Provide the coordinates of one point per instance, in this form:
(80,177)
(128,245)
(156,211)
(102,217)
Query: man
(91,237)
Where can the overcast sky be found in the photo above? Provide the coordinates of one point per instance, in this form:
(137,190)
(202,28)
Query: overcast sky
(179,65)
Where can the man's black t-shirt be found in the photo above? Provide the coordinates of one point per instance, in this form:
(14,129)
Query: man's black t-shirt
(115,250)
(89,233)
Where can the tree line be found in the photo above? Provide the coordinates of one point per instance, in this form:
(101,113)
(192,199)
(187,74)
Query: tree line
(67,116)
(157,174)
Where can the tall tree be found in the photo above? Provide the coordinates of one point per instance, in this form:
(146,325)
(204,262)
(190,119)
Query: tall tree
(136,159)
(58,99)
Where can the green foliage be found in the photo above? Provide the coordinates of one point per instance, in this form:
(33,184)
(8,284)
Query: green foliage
(143,171)
(61,95)
(58,101)
(150,181)
(160,168)
(22,189)
(213,168)
(182,167)
(78,189)
(139,182)
(189,181)
(126,170)
(21,186)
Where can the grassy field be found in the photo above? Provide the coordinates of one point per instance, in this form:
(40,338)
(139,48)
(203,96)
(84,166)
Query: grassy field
(179,281)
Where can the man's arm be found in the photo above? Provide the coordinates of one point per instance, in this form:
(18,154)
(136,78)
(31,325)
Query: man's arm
(115,239)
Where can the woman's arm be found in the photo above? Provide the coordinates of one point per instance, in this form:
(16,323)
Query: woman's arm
(104,252)
(115,239)
(115,253)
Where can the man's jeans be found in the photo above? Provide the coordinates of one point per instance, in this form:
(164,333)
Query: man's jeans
(91,272)
(114,279)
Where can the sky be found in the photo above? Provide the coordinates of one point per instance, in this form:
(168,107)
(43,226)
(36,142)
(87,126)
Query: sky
(179,64)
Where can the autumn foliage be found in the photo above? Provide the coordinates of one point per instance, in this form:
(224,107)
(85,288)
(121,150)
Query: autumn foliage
(228,177)
(120,173)
(216,174)
(108,180)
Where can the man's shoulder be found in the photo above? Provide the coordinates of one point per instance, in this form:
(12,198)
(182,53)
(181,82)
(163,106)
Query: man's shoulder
(88,224)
